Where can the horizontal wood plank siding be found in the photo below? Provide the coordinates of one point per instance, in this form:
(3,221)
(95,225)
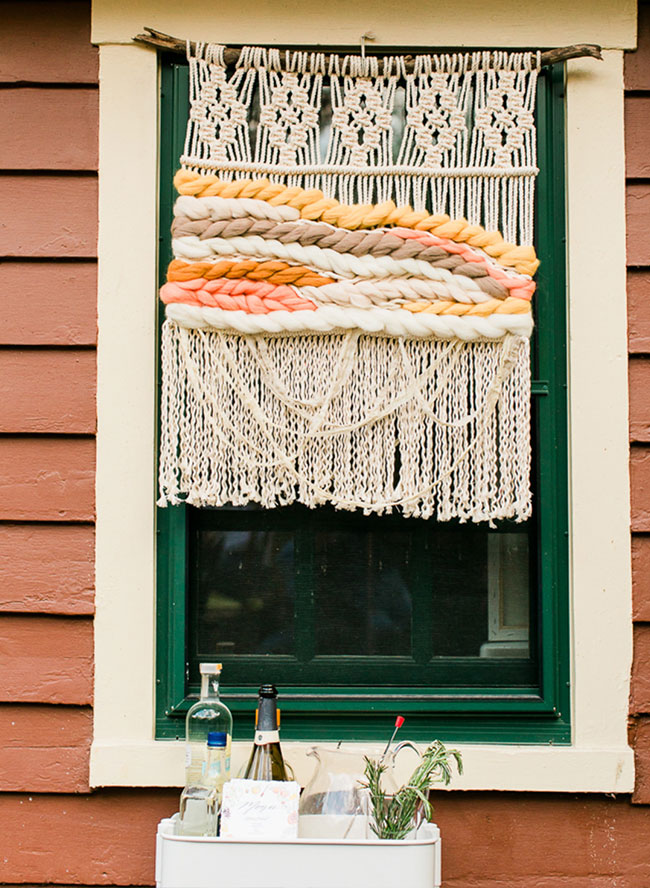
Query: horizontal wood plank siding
(638,305)
(637,64)
(46,41)
(46,659)
(49,105)
(44,748)
(641,739)
(639,369)
(48,303)
(48,216)
(491,840)
(638,223)
(106,838)
(640,576)
(47,568)
(47,479)
(48,129)
(640,488)
(637,141)
(47,391)
(640,698)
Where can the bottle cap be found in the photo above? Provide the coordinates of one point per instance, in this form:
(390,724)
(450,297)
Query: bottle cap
(217,738)
(268,691)
(210,668)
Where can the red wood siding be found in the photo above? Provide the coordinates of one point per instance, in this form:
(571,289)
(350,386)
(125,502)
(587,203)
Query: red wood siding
(492,840)
(47,479)
(637,142)
(45,128)
(638,302)
(43,216)
(106,838)
(47,391)
(639,369)
(637,64)
(640,577)
(44,748)
(641,739)
(46,41)
(47,568)
(48,330)
(46,659)
(48,303)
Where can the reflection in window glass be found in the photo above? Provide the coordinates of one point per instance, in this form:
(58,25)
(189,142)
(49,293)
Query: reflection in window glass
(363,595)
(247,592)
(361,588)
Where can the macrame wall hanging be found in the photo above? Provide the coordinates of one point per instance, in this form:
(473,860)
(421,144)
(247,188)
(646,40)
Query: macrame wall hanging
(344,324)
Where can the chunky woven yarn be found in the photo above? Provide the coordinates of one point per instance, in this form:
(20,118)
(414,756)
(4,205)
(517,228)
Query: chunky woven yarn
(314,205)
(346,324)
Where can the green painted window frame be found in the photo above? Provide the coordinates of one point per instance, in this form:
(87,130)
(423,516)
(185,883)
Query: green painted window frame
(533,715)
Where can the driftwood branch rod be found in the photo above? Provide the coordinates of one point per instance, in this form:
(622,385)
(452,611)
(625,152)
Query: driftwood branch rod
(549,57)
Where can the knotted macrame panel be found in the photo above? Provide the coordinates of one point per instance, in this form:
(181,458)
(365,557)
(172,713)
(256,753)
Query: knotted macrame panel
(343,323)
(468,146)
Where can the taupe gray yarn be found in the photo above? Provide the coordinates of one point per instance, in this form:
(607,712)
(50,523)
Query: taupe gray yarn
(357,243)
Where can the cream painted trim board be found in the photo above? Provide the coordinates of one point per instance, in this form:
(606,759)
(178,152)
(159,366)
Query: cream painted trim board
(123,751)
(126,368)
(534,769)
(543,23)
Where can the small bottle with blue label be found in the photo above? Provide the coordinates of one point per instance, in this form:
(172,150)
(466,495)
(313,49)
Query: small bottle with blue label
(209,714)
(201,799)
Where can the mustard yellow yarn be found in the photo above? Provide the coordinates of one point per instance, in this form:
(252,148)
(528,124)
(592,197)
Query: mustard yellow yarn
(313,204)
(511,305)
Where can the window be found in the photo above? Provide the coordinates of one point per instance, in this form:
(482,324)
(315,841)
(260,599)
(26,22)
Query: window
(463,628)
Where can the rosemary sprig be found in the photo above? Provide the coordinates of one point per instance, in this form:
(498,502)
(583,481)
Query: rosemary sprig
(393,818)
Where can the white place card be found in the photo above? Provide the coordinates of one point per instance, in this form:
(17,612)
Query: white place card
(260,809)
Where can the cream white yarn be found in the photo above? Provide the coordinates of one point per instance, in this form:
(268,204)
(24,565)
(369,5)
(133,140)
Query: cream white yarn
(220,208)
(386,293)
(320,418)
(331,318)
(343,265)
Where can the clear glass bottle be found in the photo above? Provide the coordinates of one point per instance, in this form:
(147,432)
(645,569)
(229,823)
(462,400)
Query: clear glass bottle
(266,761)
(201,801)
(208,715)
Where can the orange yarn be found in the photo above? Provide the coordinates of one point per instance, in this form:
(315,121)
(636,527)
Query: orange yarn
(274,271)
(312,204)
(253,297)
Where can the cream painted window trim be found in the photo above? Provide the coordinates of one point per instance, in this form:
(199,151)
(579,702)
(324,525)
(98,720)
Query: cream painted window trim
(544,23)
(124,752)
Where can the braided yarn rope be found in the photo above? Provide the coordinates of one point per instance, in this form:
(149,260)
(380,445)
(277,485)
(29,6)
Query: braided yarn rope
(221,219)
(275,272)
(254,297)
(312,204)
(347,325)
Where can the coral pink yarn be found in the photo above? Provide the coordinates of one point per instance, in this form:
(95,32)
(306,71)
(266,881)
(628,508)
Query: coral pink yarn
(253,297)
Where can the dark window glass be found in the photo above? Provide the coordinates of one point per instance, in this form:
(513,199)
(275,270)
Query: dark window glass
(319,587)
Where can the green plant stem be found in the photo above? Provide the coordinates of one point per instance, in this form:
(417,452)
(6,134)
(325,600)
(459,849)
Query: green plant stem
(394,820)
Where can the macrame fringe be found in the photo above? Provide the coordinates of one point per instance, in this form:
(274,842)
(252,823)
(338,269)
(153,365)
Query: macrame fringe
(467,147)
(426,426)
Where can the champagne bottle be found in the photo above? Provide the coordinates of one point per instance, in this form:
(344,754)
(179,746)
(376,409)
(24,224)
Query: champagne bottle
(266,762)
(209,714)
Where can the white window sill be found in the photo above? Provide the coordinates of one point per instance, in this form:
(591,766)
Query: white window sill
(518,768)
